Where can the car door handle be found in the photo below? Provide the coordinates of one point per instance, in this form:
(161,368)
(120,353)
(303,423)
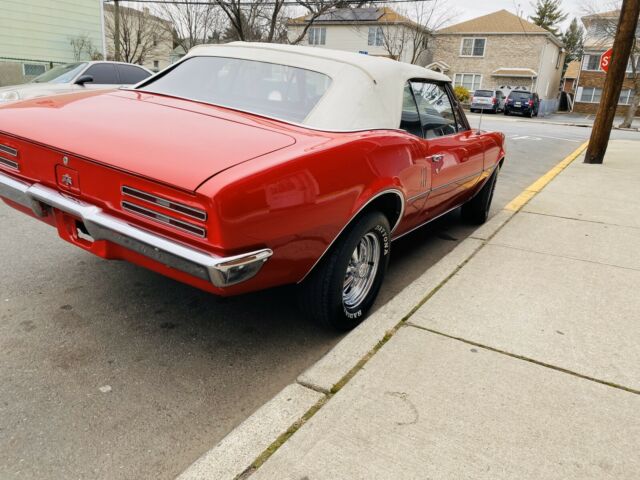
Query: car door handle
(436,158)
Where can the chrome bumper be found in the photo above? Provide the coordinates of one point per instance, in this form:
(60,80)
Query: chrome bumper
(220,271)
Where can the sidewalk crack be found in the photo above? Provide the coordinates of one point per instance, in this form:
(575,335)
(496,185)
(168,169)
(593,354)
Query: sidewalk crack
(579,219)
(594,262)
(526,359)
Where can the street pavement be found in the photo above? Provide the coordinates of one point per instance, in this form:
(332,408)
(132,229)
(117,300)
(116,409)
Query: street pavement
(111,371)
(524,364)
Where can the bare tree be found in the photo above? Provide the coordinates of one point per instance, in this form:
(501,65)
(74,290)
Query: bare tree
(266,20)
(191,22)
(408,33)
(83,48)
(139,32)
(600,35)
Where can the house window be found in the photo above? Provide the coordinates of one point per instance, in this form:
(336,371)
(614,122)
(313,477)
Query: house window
(317,36)
(472,47)
(590,95)
(470,81)
(591,62)
(376,37)
(33,69)
(626,96)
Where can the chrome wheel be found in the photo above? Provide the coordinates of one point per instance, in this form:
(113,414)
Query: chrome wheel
(361,271)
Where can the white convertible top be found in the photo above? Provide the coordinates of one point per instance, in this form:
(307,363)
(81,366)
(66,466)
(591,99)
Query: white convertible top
(365,92)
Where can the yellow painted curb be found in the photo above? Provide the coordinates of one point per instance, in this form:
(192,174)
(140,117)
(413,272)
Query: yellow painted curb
(531,191)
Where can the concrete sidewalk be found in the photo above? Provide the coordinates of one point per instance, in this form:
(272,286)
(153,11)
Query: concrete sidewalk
(524,364)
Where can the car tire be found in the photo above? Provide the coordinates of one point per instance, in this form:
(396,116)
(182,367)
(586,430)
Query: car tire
(360,256)
(476,210)
(506,112)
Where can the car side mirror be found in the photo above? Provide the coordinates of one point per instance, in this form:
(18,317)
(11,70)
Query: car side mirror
(84,79)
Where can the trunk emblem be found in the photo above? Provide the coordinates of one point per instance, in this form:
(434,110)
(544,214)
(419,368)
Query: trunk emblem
(67,180)
(65,160)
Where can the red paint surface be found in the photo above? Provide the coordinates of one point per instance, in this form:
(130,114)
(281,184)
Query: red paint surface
(263,183)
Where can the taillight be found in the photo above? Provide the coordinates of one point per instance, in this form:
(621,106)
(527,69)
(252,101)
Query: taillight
(160,215)
(531,103)
(494,100)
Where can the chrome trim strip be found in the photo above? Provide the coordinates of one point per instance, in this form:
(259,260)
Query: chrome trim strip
(461,179)
(9,150)
(379,194)
(9,163)
(220,271)
(416,197)
(164,219)
(165,203)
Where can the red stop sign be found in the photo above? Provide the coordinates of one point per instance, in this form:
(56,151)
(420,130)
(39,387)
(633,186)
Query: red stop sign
(605,59)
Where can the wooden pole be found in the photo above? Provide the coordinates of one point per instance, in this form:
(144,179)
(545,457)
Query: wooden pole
(116,29)
(625,33)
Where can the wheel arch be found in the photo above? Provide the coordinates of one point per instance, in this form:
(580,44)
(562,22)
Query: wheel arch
(390,202)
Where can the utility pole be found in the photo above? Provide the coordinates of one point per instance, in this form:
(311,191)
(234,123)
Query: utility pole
(116,29)
(625,34)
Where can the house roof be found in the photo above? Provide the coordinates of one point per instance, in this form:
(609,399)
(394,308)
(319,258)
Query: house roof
(501,21)
(515,72)
(608,14)
(572,69)
(365,92)
(349,16)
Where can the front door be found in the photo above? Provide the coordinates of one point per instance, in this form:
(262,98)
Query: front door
(454,152)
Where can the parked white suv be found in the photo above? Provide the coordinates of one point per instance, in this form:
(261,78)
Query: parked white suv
(491,100)
(76,76)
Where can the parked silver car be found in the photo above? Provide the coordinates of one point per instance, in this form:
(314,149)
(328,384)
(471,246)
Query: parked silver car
(76,76)
(491,100)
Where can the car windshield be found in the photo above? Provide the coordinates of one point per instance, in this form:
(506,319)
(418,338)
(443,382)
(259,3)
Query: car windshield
(483,93)
(518,96)
(269,89)
(61,73)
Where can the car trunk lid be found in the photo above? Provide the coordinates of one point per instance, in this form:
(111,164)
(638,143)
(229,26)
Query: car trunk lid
(170,143)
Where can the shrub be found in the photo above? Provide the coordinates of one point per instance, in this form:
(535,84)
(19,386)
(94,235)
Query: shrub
(462,94)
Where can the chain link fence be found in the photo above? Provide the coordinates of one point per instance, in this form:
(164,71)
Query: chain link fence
(14,71)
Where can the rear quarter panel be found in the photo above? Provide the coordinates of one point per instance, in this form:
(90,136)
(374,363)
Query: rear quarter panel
(296,202)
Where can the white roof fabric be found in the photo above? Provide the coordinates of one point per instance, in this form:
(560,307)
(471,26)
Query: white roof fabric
(365,92)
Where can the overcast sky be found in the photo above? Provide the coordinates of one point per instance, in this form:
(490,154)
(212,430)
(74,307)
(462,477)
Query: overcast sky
(468,9)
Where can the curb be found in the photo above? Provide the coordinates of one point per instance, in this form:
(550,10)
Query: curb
(251,444)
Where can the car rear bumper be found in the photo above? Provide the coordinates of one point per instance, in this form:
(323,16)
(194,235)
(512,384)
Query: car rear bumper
(483,106)
(219,271)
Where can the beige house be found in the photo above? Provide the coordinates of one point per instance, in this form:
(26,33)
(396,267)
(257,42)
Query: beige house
(501,50)
(371,31)
(145,38)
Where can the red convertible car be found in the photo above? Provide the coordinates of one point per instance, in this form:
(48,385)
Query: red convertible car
(246,166)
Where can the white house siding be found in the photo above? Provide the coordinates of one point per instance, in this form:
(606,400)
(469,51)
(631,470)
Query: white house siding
(38,32)
(353,38)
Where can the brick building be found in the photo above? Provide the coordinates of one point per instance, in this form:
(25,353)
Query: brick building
(501,49)
(599,38)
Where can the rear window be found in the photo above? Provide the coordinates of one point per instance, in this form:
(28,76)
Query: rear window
(520,95)
(483,93)
(269,89)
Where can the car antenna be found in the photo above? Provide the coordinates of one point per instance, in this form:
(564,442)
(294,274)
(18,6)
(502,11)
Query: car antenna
(478,132)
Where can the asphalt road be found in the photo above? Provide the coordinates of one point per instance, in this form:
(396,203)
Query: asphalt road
(111,371)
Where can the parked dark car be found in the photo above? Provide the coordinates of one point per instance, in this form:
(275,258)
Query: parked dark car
(522,102)
(487,100)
